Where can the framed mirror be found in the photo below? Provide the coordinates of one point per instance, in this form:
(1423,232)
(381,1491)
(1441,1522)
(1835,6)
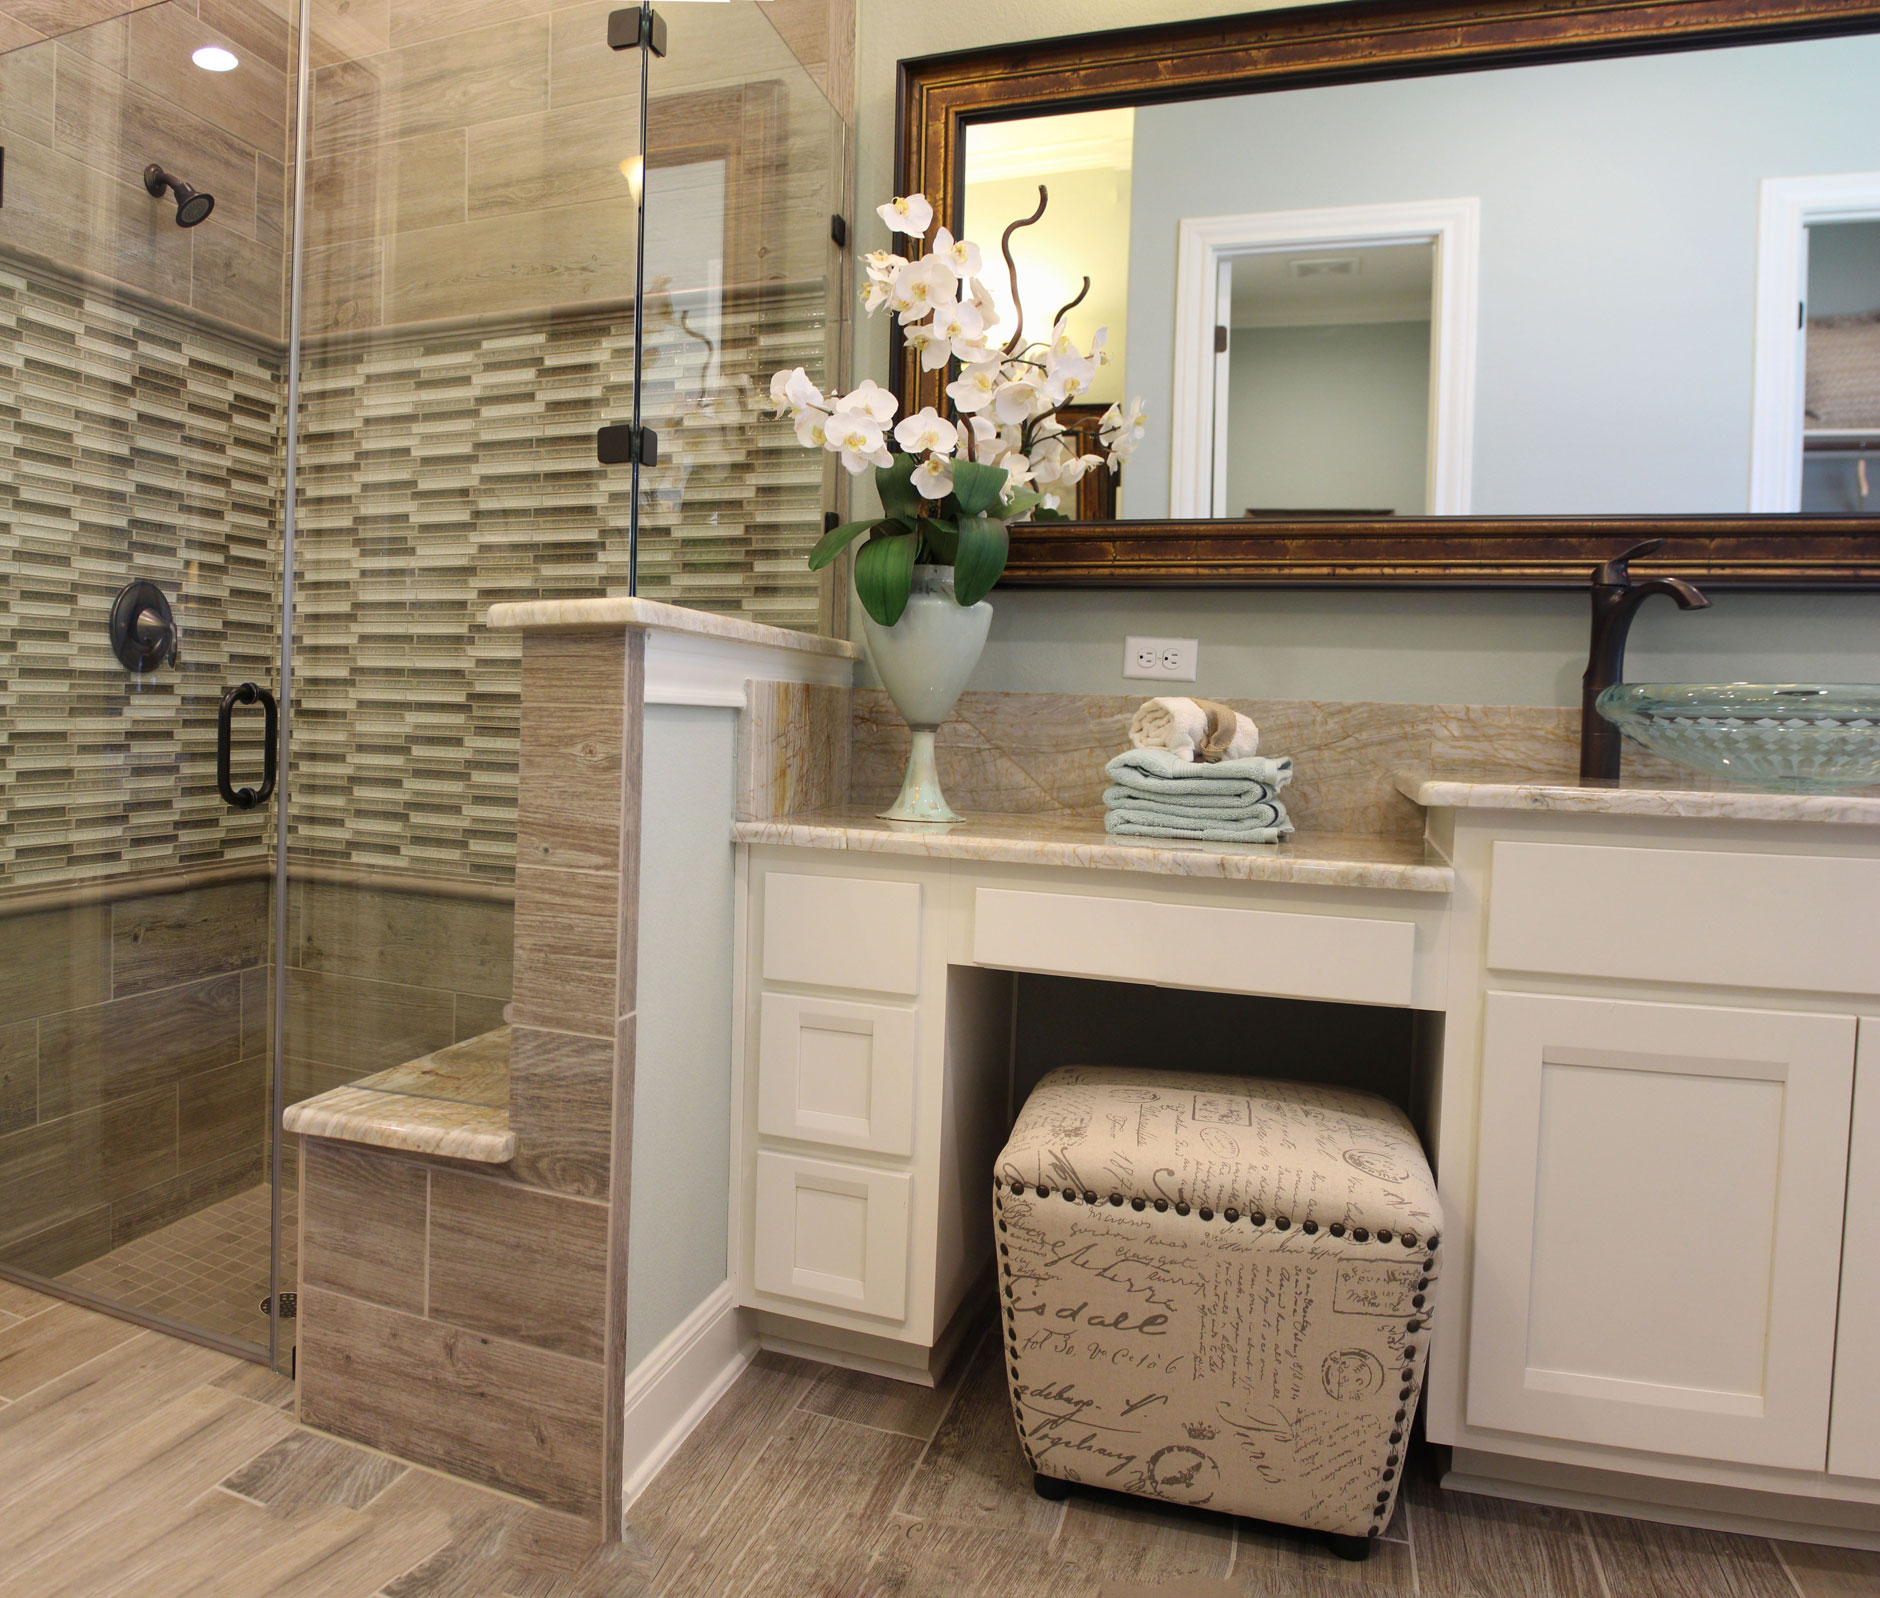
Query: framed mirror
(1420,292)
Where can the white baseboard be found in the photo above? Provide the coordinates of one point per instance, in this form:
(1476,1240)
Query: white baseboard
(674,1387)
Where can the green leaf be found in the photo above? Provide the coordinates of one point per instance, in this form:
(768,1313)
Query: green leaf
(884,575)
(980,560)
(977,486)
(899,497)
(943,538)
(1025,499)
(837,539)
(1049,516)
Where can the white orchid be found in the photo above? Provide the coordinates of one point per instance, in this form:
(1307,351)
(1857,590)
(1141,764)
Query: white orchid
(961,256)
(868,398)
(908,213)
(1069,377)
(918,287)
(958,321)
(1017,468)
(927,431)
(793,391)
(973,389)
(858,440)
(933,478)
(934,351)
(883,264)
(874,296)
(812,428)
(1120,431)
(1100,347)
(1020,397)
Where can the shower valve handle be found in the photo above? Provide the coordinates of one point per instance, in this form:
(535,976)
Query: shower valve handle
(245,694)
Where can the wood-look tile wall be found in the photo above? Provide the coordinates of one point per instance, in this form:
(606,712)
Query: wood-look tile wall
(128,1095)
(135,1050)
(82,114)
(474,1319)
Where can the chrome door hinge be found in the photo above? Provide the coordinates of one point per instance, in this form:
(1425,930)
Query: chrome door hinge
(629,29)
(622,444)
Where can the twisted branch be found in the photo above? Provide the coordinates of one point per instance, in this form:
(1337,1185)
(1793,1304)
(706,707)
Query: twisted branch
(1079,300)
(1011,266)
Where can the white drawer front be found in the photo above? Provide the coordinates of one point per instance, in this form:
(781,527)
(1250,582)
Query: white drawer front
(1685,915)
(832,1234)
(1196,946)
(830,1071)
(842,932)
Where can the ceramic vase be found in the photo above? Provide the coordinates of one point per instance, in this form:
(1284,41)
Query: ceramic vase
(924,661)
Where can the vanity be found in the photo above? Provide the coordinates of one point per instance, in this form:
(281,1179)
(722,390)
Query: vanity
(1646,1062)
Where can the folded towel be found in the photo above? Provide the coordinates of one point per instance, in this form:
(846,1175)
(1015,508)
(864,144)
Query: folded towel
(1228,804)
(1163,774)
(1202,730)
(1119,825)
(1138,807)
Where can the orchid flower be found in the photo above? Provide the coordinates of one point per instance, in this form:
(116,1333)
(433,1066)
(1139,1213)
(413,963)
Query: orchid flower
(918,287)
(883,264)
(958,320)
(1121,430)
(933,478)
(1019,398)
(793,391)
(812,428)
(1069,376)
(857,438)
(962,256)
(927,430)
(907,213)
(869,399)
(935,352)
(973,389)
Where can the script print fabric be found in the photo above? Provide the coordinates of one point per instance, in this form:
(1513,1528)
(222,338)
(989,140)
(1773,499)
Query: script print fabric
(1217,1291)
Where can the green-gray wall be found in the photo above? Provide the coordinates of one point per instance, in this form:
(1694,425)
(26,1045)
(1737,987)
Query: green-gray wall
(1486,648)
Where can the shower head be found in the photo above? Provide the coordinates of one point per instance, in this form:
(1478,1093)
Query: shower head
(192,205)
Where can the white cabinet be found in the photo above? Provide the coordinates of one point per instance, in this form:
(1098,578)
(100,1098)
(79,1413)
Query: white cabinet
(831,1071)
(1658,1226)
(1854,1441)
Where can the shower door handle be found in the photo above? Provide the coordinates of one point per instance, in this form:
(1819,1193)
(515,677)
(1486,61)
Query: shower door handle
(245,694)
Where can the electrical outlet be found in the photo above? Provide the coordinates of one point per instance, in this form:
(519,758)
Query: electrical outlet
(1164,659)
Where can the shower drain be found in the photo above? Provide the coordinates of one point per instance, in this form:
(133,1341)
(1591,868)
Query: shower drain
(290,1305)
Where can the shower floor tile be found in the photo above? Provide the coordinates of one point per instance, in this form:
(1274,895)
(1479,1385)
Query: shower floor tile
(208,1270)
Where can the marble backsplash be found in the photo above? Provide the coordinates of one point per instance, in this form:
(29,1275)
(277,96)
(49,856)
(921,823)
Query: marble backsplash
(1018,753)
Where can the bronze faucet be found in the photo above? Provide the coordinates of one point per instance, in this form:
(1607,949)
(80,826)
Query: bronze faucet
(1615,598)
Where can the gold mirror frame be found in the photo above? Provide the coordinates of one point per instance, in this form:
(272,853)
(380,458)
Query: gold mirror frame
(1337,43)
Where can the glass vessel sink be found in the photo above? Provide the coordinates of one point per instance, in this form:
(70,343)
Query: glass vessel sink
(1804,737)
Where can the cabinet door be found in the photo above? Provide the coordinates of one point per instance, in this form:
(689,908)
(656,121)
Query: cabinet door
(830,1071)
(1658,1226)
(1854,1443)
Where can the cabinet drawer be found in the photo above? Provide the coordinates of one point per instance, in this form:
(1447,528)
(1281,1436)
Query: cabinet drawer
(832,1234)
(842,932)
(1685,915)
(829,1071)
(1196,946)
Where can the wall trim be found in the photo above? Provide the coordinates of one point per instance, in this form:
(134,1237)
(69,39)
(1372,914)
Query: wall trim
(694,669)
(1788,206)
(674,1387)
(1205,243)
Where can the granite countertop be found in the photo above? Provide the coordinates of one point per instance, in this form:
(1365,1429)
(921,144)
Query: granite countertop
(1492,788)
(453,1103)
(1326,860)
(649,615)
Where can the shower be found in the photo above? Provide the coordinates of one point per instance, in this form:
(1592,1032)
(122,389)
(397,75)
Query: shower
(192,205)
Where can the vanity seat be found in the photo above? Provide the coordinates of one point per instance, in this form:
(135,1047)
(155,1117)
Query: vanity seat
(1648,1073)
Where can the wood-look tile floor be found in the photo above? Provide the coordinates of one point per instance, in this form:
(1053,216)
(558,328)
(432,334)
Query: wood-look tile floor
(131,1463)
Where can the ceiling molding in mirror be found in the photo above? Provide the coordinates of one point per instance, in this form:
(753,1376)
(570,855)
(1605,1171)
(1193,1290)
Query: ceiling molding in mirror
(942,97)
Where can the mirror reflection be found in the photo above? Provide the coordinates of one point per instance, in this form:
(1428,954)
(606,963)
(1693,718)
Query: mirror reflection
(1643,286)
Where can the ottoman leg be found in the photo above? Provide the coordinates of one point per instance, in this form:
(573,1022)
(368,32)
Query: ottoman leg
(1356,1549)
(1050,1487)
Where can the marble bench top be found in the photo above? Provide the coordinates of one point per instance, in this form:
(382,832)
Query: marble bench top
(453,1103)
(1329,860)
(1491,788)
(651,615)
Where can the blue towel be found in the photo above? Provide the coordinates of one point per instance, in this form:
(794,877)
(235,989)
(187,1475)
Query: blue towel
(1159,774)
(1120,825)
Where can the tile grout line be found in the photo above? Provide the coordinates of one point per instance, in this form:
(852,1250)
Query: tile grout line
(142,1331)
(1782,1560)
(966,1358)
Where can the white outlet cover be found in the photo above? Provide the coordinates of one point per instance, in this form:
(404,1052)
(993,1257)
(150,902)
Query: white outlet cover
(1161,659)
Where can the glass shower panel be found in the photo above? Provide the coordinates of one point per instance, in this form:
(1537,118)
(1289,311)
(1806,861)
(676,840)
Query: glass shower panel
(468,327)
(141,401)
(745,174)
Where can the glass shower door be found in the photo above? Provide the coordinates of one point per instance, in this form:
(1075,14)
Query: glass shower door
(141,395)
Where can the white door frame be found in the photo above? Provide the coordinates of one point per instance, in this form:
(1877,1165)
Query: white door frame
(1205,242)
(1789,206)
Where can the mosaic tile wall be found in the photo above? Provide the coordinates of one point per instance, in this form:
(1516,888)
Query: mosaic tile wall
(131,445)
(443,472)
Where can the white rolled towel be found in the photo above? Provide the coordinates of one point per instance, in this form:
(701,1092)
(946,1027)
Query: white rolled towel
(1194,729)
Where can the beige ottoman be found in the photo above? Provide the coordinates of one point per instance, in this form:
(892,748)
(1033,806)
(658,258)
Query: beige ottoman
(1216,1291)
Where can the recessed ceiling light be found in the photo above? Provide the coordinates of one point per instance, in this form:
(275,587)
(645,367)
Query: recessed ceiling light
(213,58)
